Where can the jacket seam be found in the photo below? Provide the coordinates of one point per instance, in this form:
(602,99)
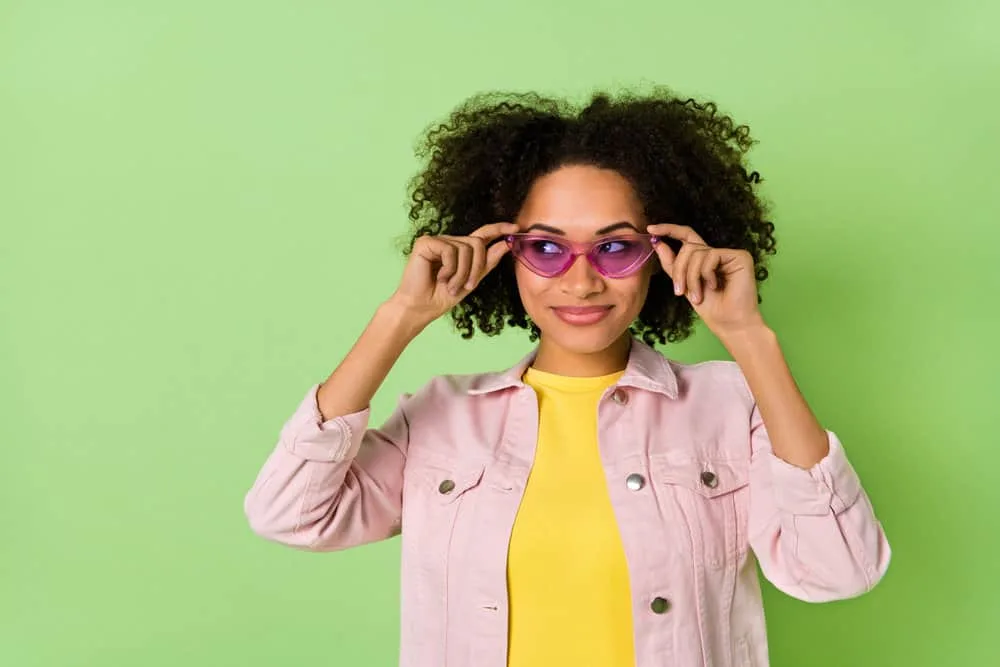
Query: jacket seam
(346,436)
(858,553)
(302,506)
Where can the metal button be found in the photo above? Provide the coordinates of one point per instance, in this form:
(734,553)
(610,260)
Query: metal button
(619,396)
(659,605)
(635,481)
(447,486)
(709,479)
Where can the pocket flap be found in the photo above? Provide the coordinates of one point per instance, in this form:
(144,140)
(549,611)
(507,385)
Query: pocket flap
(708,477)
(447,482)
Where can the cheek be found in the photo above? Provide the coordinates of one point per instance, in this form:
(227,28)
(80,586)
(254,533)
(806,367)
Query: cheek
(634,291)
(530,287)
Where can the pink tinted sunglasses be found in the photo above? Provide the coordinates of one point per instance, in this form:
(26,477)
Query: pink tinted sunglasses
(611,256)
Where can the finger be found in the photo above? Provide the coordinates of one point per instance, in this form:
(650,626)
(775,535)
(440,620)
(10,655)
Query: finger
(495,230)
(478,268)
(680,232)
(434,250)
(457,281)
(667,257)
(679,275)
(426,247)
(694,265)
(449,260)
(710,271)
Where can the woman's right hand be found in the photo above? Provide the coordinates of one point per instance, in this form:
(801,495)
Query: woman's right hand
(443,270)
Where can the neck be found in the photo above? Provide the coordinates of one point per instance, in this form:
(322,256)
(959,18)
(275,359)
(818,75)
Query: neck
(558,360)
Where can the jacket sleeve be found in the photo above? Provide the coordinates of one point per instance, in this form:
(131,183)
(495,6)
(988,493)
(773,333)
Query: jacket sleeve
(334,484)
(814,531)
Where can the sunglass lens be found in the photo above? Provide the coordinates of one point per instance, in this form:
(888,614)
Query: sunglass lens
(619,257)
(544,256)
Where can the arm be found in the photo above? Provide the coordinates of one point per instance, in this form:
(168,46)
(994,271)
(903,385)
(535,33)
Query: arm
(812,526)
(331,482)
(795,433)
(352,385)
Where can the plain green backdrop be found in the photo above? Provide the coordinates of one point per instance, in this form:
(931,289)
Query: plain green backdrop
(199,206)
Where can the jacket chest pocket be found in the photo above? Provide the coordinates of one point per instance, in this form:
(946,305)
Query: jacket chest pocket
(710,496)
(436,497)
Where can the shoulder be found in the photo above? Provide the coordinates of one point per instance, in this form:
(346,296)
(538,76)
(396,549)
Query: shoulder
(451,421)
(442,392)
(716,379)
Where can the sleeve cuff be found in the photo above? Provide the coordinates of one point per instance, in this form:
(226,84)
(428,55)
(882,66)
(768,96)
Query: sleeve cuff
(831,485)
(307,436)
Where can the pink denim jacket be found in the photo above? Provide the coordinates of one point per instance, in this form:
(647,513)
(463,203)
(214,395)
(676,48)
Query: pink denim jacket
(698,495)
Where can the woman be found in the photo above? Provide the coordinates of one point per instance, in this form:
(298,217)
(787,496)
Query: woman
(595,504)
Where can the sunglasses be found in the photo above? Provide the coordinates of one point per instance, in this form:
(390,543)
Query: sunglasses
(612,257)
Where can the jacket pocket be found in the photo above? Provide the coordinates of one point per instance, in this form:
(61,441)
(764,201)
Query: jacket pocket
(711,494)
(434,493)
(439,507)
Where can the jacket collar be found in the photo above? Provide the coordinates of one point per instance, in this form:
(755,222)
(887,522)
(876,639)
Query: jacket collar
(646,369)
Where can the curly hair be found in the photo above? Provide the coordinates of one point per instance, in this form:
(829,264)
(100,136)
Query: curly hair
(684,159)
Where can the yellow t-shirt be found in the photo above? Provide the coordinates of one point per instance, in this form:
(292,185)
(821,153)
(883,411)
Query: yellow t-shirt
(569,596)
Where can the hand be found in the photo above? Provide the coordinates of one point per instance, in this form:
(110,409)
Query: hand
(720,283)
(443,270)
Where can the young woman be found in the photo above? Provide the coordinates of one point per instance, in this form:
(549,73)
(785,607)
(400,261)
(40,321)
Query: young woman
(595,504)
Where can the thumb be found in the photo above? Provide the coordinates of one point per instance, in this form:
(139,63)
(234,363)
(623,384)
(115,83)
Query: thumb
(494,253)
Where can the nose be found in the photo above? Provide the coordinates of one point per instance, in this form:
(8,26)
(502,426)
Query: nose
(582,280)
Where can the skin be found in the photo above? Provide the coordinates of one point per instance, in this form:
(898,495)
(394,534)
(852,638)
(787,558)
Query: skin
(578,201)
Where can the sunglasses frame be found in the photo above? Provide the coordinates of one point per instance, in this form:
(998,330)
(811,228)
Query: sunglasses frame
(585,249)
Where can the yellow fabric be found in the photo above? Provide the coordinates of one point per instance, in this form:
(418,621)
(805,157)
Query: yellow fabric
(567,579)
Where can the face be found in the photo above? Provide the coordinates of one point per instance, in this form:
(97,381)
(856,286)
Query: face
(580,204)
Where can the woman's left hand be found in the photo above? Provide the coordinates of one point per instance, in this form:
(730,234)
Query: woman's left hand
(719,282)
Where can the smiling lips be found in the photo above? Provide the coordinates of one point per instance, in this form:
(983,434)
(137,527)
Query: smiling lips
(582,315)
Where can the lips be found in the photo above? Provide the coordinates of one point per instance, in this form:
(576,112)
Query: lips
(582,310)
(582,315)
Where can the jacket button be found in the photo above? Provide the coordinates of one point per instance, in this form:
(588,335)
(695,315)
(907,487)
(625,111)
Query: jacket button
(635,482)
(447,486)
(709,479)
(620,396)
(659,605)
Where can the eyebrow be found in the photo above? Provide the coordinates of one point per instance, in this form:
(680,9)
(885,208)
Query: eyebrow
(600,232)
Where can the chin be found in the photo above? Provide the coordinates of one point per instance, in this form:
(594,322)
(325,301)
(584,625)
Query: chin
(584,340)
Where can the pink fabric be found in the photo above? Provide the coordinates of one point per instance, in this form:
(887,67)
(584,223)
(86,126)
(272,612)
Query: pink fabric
(714,501)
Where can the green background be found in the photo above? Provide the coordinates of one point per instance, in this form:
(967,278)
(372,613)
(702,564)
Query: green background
(199,204)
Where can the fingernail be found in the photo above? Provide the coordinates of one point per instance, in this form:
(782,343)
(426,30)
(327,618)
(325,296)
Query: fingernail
(469,285)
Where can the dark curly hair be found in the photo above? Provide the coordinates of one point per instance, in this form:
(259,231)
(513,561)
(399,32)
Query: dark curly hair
(684,158)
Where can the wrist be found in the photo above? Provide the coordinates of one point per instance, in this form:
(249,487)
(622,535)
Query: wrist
(747,337)
(401,319)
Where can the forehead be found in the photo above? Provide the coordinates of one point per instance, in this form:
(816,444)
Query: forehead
(580,199)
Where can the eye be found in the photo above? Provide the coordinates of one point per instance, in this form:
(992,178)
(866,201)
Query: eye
(613,247)
(546,247)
